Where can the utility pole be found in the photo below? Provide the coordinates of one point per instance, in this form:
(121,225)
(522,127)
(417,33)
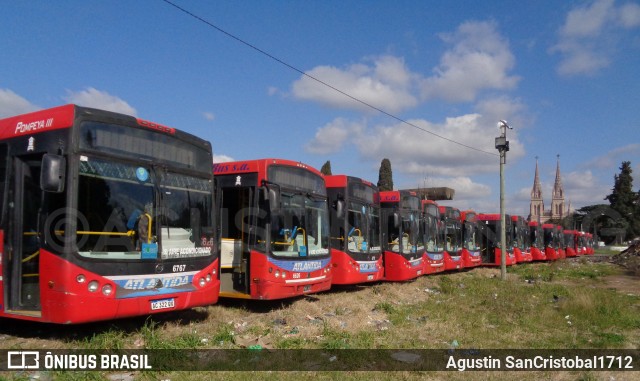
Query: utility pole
(502,145)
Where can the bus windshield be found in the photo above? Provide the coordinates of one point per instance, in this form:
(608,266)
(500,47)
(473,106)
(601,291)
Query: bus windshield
(121,206)
(453,236)
(432,234)
(471,241)
(410,241)
(301,227)
(363,223)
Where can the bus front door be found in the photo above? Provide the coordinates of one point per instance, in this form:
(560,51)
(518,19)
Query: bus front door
(23,240)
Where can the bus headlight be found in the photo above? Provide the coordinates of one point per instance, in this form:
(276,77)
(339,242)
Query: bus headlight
(201,282)
(277,273)
(93,286)
(81,278)
(208,278)
(107,290)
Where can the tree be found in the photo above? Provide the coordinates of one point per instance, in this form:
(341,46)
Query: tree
(385,176)
(326,168)
(624,200)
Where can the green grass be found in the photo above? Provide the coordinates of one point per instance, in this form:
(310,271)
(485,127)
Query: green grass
(564,305)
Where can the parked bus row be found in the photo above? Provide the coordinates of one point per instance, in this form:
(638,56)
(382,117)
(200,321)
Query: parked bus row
(287,230)
(105,216)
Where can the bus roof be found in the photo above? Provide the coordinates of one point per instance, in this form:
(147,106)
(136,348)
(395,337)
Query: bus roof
(340,181)
(257,165)
(64,116)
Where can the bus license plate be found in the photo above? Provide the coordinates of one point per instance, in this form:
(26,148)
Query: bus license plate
(162,304)
(306,288)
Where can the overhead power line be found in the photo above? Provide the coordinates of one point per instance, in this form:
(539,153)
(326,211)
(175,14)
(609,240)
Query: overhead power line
(265,53)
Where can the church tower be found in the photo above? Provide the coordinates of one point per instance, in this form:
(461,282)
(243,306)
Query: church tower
(536,208)
(557,200)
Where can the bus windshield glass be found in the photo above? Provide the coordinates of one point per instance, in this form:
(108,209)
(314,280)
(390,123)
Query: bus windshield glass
(301,227)
(143,143)
(432,234)
(363,225)
(453,235)
(471,241)
(121,207)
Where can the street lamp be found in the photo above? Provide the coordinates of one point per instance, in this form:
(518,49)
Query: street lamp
(502,145)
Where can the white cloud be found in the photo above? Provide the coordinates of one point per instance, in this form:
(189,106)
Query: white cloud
(209,115)
(222,158)
(13,104)
(587,21)
(583,188)
(413,151)
(91,97)
(587,40)
(478,59)
(385,85)
(333,136)
(466,189)
(613,158)
(629,15)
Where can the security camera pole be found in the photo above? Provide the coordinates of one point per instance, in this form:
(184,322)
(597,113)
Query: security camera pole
(502,145)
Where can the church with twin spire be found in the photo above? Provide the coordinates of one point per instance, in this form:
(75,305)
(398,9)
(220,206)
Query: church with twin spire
(558,211)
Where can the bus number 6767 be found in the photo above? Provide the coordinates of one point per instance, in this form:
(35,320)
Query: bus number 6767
(179,268)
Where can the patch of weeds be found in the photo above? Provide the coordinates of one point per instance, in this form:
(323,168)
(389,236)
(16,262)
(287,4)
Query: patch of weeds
(385,307)
(77,376)
(590,271)
(291,343)
(447,285)
(111,339)
(607,340)
(333,339)
(534,272)
(224,334)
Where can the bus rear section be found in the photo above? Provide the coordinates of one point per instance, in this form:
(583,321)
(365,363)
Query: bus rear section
(354,210)
(470,239)
(274,228)
(452,238)
(433,230)
(537,242)
(403,246)
(551,242)
(490,244)
(104,216)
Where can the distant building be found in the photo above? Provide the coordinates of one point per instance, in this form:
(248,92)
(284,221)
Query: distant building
(536,207)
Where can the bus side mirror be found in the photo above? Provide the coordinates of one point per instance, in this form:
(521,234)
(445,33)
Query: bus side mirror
(274,200)
(53,173)
(340,208)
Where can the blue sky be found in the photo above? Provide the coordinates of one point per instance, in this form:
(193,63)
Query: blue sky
(564,74)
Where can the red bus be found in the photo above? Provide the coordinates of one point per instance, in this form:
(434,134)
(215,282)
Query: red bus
(103,216)
(562,253)
(274,229)
(433,229)
(571,242)
(452,237)
(521,244)
(490,243)
(470,239)
(551,242)
(537,242)
(403,249)
(354,211)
